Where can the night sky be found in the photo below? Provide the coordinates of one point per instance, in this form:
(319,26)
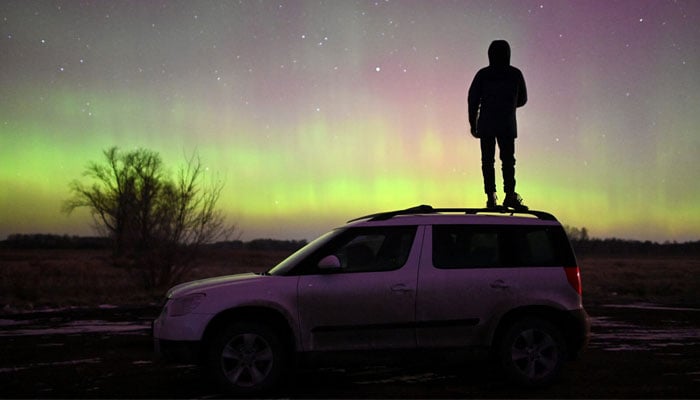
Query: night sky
(315,112)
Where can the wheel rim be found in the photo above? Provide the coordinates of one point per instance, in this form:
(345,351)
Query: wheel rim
(535,353)
(247,360)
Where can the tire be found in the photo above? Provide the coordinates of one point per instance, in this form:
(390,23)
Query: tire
(532,352)
(247,358)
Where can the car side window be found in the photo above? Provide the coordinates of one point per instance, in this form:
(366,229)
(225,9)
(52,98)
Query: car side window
(360,253)
(475,246)
(535,248)
(383,248)
(460,246)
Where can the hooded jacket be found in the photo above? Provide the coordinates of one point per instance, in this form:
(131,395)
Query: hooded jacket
(495,93)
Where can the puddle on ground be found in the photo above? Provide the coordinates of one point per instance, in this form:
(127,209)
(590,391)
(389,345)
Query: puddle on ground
(76,327)
(51,364)
(11,322)
(608,333)
(650,306)
(611,334)
(414,378)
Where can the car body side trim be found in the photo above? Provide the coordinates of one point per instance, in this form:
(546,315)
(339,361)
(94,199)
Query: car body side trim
(407,325)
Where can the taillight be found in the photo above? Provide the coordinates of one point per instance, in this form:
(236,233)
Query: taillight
(573,275)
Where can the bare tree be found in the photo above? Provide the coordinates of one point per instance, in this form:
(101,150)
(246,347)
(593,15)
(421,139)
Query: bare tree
(157,224)
(576,234)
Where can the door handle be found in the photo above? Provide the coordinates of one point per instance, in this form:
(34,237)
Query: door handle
(499,284)
(401,288)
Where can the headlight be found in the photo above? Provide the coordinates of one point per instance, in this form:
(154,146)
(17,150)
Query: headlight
(185,305)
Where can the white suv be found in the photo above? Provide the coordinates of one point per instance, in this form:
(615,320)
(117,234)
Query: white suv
(420,278)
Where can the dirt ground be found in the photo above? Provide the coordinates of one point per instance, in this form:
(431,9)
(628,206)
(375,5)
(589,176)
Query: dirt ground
(636,351)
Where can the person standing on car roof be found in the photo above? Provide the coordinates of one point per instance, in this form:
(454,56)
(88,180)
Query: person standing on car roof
(495,93)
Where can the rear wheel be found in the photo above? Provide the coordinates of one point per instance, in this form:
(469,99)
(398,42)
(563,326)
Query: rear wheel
(247,358)
(532,352)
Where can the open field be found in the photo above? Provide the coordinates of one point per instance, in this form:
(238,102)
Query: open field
(635,278)
(35,279)
(635,352)
(72,326)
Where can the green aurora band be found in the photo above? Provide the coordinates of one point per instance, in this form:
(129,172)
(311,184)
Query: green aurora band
(315,113)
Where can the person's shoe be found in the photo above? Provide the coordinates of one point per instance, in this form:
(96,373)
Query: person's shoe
(491,200)
(514,201)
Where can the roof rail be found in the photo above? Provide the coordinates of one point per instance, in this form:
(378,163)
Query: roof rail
(426,209)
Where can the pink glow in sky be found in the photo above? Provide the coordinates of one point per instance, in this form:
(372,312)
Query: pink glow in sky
(314,112)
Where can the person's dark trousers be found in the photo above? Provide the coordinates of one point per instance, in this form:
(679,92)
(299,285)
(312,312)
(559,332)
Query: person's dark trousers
(506,150)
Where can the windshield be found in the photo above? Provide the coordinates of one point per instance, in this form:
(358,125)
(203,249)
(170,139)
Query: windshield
(290,262)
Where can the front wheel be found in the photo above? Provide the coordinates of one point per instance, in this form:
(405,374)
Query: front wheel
(247,358)
(532,352)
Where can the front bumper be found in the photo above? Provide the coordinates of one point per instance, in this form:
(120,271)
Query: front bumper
(189,327)
(178,339)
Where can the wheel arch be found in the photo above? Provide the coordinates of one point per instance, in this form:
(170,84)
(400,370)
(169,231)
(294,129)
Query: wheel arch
(261,314)
(569,326)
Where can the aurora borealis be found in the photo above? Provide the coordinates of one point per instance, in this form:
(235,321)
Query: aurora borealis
(315,112)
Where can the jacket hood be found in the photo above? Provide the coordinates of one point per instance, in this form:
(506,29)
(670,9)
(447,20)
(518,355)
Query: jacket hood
(499,53)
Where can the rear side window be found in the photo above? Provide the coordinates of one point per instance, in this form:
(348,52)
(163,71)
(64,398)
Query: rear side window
(492,246)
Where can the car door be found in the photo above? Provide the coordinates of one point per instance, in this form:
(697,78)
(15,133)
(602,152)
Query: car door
(463,283)
(368,300)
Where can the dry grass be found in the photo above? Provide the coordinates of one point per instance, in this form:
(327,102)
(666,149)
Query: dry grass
(31,279)
(646,279)
(47,278)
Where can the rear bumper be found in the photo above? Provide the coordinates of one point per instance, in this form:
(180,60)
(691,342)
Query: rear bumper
(580,333)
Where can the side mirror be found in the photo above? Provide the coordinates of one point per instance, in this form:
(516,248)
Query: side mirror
(329,263)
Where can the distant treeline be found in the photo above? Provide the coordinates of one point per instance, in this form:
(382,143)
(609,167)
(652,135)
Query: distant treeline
(261,244)
(582,245)
(621,247)
(52,241)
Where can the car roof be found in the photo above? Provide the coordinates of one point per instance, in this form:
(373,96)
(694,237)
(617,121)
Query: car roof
(426,215)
